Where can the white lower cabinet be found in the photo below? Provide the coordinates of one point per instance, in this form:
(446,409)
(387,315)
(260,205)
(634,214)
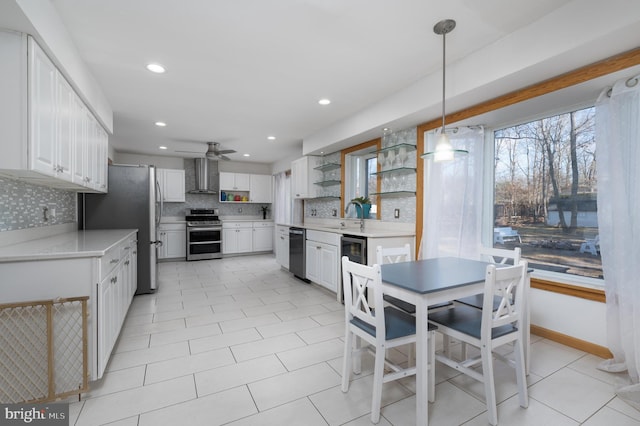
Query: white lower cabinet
(115,292)
(174,241)
(322,258)
(263,236)
(282,246)
(237,237)
(109,281)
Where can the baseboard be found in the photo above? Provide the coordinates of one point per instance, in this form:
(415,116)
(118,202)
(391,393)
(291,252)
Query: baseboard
(572,342)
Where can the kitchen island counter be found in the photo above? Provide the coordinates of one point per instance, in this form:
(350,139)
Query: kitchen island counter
(70,245)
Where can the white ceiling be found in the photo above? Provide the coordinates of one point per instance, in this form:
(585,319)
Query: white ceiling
(239,71)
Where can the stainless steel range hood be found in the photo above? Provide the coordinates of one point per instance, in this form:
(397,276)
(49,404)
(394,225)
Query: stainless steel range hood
(207,178)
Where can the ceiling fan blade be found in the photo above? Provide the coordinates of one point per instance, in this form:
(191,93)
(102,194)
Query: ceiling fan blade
(226,151)
(190,152)
(224,157)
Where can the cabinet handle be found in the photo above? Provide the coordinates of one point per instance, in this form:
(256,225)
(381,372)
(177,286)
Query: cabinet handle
(318,247)
(114,260)
(126,263)
(127,248)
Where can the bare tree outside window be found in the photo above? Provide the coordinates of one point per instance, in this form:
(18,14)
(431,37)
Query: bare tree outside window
(545,192)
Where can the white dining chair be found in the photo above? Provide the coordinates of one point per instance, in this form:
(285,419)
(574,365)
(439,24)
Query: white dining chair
(386,255)
(488,329)
(497,256)
(381,327)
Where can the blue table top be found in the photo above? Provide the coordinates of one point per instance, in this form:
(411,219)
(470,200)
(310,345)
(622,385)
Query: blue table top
(431,275)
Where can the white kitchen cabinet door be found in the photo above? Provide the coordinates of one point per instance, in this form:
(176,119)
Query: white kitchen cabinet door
(172,185)
(312,257)
(329,267)
(81,152)
(263,238)
(282,246)
(303,177)
(176,243)
(234,181)
(42,105)
(237,237)
(260,189)
(66,129)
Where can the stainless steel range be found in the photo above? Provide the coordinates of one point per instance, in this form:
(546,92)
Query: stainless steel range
(204,234)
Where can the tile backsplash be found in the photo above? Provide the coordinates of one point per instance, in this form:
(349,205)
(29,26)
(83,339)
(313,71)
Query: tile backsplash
(22,205)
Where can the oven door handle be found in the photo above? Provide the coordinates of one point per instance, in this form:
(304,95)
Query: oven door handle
(217,228)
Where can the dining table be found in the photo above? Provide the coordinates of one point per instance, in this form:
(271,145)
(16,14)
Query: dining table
(428,282)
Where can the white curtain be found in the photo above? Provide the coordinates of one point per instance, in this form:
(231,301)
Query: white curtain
(453,197)
(282,204)
(618,144)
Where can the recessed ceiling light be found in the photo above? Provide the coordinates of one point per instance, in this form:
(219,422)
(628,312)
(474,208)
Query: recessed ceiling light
(161,124)
(324,101)
(271,138)
(156,68)
(246,155)
(162,147)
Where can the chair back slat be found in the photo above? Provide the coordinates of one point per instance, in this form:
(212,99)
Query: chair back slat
(500,256)
(508,284)
(393,254)
(356,280)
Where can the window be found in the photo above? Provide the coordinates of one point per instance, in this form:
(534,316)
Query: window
(360,178)
(545,193)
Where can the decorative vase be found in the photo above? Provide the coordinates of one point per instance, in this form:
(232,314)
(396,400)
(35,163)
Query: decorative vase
(366,208)
(264,214)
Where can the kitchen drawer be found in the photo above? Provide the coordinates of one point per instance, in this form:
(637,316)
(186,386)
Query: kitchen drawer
(263,224)
(237,224)
(111,259)
(324,237)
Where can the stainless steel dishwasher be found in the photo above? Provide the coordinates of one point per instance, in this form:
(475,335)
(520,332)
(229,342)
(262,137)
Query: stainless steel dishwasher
(297,255)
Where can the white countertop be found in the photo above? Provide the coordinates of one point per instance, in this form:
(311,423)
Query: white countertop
(93,243)
(369,232)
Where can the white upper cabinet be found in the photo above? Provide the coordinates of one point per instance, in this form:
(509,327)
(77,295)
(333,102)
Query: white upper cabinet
(51,136)
(171,183)
(234,181)
(302,177)
(260,190)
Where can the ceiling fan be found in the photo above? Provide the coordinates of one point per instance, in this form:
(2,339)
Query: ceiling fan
(214,152)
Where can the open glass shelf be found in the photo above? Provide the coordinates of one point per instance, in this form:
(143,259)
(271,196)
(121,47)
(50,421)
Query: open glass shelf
(399,170)
(327,183)
(327,197)
(407,146)
(395,194)
(327,166)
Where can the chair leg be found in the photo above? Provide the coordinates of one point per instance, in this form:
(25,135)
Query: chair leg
(378,372)
(357,361)
(411,355)
(346,360)
(431,360)
(446,346)
(489,385)
(523,395)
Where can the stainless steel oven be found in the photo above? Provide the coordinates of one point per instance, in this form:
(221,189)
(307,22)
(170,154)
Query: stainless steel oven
(204,234)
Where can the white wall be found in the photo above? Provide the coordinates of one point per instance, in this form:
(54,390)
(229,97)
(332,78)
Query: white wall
(573,316)
(41,20)
(156,160)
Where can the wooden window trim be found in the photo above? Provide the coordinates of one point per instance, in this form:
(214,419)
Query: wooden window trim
(374,143)
(589,72)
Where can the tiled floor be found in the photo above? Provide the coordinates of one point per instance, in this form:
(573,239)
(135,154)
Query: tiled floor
(239,341)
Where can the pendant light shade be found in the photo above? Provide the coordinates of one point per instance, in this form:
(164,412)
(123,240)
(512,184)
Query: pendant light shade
(444,151)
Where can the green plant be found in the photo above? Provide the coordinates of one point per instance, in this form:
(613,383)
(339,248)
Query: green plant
(362,200)
(264,209)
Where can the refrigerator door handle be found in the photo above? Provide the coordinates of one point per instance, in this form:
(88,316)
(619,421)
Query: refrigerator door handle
(161,213)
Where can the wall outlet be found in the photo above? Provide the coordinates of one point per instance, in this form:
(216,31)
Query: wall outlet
(396,213)
(334,213)
(239,209)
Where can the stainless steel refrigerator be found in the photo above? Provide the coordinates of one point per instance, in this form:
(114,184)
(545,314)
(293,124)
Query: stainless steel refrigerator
(130,203)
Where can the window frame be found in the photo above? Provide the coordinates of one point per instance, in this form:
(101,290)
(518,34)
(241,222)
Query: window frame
(488,188)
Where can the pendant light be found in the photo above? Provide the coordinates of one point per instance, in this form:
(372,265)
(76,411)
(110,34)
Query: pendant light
(444,151)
